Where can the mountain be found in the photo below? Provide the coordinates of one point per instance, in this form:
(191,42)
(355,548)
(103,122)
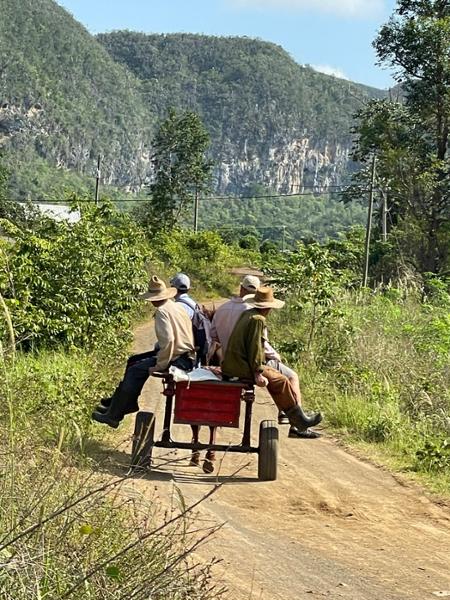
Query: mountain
(271,120)
(64,100)
(66,96)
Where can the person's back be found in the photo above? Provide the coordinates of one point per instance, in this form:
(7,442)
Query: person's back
(201,325)
(173,329)
(244,355)
(228,314)
(225,318)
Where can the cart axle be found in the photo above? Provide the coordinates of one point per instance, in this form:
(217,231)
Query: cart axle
(218,447)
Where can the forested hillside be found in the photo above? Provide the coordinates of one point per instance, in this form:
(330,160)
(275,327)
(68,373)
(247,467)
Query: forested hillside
(66,97)
(63,100)
(271,121)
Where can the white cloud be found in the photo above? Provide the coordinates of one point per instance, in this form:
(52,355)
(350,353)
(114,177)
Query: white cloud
(329,70)
(350,8)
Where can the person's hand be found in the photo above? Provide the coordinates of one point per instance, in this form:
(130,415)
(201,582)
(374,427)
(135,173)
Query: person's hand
(260,380)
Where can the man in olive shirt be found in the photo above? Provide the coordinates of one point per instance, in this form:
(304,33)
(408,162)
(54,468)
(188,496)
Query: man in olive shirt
(245,359)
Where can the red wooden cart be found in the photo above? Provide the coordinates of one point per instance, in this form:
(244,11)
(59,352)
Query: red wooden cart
(210,403)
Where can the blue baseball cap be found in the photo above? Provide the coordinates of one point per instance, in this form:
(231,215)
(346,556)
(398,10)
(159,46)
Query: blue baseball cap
(181,282)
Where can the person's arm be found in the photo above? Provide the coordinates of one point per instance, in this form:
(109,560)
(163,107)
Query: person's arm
(269,351)
(166,339)
(254,343)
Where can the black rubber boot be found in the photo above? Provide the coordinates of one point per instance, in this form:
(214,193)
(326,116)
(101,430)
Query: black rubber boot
(104,405)
(307,434)
(297,418)
(121,404)
(105,418)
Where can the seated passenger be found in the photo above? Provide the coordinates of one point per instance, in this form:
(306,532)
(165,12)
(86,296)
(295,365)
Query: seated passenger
(201,324)
(245,359)
(226,317)
(175,346)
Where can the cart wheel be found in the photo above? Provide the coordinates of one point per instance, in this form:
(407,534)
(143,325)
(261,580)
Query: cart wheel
(268,451)
(143,439)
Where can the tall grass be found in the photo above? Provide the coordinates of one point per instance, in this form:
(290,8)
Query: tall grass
(67,529)
(379,367)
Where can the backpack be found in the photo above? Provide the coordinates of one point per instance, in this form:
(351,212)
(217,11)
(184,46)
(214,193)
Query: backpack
(201,328)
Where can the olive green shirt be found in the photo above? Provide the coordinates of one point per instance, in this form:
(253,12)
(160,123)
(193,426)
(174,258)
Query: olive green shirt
(244,355)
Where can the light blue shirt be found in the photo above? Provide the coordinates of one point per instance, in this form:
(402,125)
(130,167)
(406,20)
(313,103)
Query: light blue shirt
(187,303)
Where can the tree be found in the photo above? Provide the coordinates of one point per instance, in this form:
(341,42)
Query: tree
(182,170)
(411,138)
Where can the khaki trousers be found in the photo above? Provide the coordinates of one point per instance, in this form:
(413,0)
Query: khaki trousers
(280,389)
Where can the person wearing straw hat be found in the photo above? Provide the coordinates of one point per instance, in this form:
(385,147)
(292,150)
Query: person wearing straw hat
(245,359)
(227,314)
(175,346)
(226,317)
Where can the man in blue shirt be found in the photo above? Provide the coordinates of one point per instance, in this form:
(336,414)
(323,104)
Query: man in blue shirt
(183,284)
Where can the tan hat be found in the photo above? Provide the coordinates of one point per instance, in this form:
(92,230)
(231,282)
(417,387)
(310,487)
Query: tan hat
(157,290)
(264,299)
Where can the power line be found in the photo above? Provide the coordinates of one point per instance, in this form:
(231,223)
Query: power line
(269,196)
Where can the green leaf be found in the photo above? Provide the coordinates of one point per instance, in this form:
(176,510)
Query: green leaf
(86,529)
(113,572)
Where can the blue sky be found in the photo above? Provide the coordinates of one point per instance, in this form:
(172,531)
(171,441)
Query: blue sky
(332,35)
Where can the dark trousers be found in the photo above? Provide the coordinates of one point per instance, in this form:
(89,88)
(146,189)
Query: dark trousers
(125,398)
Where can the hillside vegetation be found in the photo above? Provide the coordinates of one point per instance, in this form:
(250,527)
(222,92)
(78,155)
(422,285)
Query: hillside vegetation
(247,91)
(63,99)
(66,96)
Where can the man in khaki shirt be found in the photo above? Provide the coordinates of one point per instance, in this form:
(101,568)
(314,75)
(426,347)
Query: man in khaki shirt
(175,346)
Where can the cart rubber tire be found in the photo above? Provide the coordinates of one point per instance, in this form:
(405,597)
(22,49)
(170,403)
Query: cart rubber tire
(268,451)
(143,440)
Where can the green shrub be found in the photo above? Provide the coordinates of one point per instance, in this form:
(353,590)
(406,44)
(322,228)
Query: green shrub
(74,284)
(203,256)
(433,455)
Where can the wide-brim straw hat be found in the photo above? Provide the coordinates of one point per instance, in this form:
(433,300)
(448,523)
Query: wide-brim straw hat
(264,299)
(157,290)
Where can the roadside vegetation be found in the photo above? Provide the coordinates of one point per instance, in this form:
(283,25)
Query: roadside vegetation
(376,361)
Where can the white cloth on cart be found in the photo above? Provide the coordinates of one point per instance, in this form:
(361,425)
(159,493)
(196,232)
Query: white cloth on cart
(199,374)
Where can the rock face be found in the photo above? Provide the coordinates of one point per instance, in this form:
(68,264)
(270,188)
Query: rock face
(289,168)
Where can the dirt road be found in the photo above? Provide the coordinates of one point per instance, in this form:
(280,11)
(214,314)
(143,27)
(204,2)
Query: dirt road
(331,526)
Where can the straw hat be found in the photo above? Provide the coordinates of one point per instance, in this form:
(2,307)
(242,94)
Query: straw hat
(157,290)
(264,299)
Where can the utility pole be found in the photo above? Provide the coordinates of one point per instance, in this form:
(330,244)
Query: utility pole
(384,212)
(97,179)
(369,222)
(196,210)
